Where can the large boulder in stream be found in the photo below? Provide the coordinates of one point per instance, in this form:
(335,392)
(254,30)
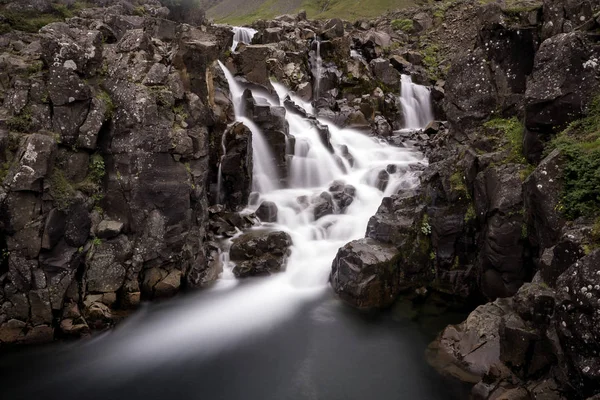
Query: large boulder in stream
(260,253)
(365,273)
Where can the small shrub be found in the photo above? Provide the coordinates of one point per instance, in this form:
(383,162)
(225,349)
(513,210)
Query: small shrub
(513,135)
(20,122)
(580,146)
(405,25)
(61,190)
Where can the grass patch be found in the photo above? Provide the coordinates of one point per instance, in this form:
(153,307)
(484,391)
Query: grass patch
(31,21)
(513,137)
(237,12)
(61,190)
(21,122)
(405,25)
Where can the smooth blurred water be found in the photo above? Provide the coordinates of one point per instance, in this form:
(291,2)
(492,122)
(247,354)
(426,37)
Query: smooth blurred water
(322,350)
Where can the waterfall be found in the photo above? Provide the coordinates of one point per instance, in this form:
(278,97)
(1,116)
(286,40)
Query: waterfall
(264,172)
(220,173)
(235,311)
(242,35)
(317,69)
(416,104)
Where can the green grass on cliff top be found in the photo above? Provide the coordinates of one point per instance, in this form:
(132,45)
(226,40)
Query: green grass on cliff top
(240,12)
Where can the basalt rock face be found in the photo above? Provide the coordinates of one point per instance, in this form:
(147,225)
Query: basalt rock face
(105,125)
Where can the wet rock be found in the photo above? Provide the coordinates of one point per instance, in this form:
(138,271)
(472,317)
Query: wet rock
(365,273)
(267,211)
(323,205)
(260,253)
(236,167)
(472,349)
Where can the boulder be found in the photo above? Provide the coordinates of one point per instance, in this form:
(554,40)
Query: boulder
(236,167)
(258,253)
(366,273)
(267,211)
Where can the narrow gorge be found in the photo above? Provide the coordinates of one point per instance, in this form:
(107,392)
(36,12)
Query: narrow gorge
(400,207)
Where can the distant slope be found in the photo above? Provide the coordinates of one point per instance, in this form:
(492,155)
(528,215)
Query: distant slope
(238,12)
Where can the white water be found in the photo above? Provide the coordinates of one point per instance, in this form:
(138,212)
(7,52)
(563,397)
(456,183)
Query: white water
(317,71)
(416,104)
(242,35)
(234,312)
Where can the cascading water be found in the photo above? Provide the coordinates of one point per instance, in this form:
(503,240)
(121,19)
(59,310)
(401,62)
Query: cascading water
(416,104)
(317,69)
(242,34)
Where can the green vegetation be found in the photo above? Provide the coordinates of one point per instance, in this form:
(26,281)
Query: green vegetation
(20,122)
(35,67)
(470,215)
(580,146)
(236,12)
(457,182)
(110,106)
(31,21)
(4,168)
(61,190)
(92,184)
(431,60)
(513,138)
(425,227)
(405,25)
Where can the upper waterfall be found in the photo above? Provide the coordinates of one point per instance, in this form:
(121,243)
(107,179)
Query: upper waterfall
(416,104)
(242,34)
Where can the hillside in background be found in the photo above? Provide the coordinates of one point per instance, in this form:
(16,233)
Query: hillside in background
(239,12)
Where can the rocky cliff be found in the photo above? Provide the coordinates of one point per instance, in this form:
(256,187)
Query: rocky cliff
(112,127)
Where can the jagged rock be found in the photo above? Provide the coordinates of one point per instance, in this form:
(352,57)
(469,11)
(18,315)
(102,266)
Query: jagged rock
(260,253)
(542,191)
(333,28)
(109,229)
(323,205)
(365,273)
(578,319)
(472,349)
(561,85)
(385,72)
(105,272)
(236,166)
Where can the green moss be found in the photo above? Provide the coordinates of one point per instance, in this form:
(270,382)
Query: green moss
(21,122)
(470,215)
(431,60)
(97,241)
(513,137)
(405,25)
(4,168)
(108,103)
(61,190)
(524,173)
(458,184)
(35,67)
